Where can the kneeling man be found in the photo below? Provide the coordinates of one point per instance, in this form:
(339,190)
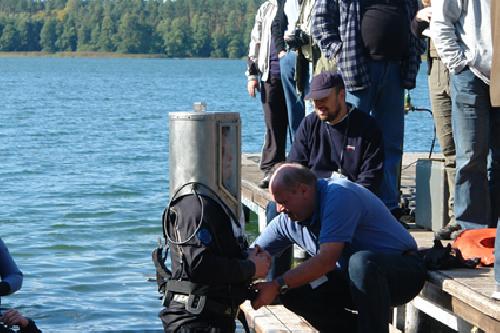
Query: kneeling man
(361,258)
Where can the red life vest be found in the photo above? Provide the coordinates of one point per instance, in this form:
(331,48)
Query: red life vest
(477,243)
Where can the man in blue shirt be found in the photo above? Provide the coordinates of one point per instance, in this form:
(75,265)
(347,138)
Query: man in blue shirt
(361,257)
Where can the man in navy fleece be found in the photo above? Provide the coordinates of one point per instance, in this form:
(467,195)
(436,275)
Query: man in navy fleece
(338,137)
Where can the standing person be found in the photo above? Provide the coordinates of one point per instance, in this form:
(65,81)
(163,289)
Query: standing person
(263,61)
(378,57)
(12,277)
(495,101)
(361,256)
(462,35)
(283,30)
(439,92)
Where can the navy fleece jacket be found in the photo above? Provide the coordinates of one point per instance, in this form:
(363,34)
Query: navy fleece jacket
(318,146)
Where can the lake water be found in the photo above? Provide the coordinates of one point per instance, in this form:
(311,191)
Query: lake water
(84,177)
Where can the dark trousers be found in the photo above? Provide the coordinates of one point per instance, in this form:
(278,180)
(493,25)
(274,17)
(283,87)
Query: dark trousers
(372,285)
(276,120)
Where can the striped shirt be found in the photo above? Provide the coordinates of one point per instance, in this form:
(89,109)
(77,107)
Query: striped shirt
(336,28)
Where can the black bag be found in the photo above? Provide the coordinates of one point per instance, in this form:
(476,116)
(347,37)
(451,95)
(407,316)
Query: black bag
(439,257)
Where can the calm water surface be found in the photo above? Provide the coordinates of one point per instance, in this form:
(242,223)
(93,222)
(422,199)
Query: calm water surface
(84,177)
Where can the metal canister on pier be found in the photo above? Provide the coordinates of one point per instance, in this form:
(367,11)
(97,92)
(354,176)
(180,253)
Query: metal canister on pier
(205,147)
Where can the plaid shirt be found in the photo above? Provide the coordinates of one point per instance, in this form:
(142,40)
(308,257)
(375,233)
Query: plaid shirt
(336,28)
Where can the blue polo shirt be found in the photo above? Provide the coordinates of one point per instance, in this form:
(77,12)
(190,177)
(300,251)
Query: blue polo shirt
(345,213)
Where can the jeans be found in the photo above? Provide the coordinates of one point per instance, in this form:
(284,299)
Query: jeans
(477,189)
(439,92)
(294,102)
(374,283)
(384,100)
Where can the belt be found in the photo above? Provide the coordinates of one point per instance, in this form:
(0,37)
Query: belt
(196,304)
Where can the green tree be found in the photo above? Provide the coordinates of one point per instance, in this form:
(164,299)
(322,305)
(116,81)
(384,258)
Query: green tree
(201,36)
(132,35)
(48,36)
(177,41)
(10,38)
(105,42)
(68,40)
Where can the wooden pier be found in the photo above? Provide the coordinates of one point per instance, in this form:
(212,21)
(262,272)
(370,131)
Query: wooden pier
(452,300)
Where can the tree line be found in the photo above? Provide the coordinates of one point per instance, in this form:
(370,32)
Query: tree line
(176,28)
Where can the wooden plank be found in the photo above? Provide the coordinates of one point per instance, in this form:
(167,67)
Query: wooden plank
(275,319)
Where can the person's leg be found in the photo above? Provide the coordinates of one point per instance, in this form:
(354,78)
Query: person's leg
(380,281)
(471,118)
(388,111)
(496,292)
(439,92)
(276,119)
(494,166)
(325,306)
(294,103)
(384,100)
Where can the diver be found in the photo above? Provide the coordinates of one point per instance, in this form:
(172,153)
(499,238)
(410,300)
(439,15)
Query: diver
(211,266)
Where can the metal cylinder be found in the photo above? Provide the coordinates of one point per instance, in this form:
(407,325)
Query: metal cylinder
(205,147)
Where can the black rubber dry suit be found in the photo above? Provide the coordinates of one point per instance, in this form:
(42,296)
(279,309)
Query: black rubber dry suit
(209,276)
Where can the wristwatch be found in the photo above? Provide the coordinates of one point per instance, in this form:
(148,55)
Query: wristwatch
(283,286)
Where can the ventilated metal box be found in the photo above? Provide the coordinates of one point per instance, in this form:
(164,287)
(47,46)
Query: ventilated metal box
(431,194)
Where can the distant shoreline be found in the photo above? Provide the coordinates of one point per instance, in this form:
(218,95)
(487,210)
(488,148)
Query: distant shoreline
(83,54)
(97,54)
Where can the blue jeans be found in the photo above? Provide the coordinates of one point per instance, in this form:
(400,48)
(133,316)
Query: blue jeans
(477,190)
(384,100)
(294,102)
(497,255)
(375,282)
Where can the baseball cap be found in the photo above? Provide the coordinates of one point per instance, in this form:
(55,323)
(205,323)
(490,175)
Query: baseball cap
(323,83)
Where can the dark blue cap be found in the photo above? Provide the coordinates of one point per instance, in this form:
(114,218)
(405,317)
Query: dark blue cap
(323,83)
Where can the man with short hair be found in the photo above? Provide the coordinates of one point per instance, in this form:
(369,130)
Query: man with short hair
(361,257)
(338,137)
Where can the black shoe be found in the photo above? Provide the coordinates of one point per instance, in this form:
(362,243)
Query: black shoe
(264,183)
(397,212)
(449,232)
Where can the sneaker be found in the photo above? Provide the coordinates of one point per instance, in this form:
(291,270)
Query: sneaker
(449,232)
(264,183)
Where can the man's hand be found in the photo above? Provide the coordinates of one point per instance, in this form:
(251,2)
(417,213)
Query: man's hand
(262,261)
(282,54)
(13,317)
(424,15)
(252,86)
(267,293)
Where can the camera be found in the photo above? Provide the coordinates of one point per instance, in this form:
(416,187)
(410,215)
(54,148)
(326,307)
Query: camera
(298,39)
